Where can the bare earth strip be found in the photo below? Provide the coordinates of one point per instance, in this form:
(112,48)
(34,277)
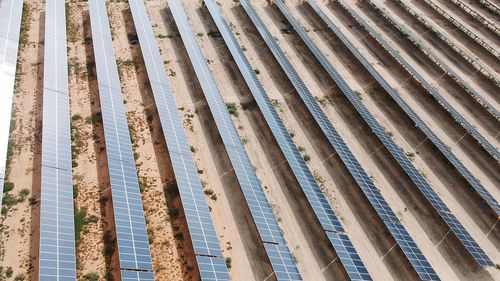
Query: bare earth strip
(19,216)
(90,255)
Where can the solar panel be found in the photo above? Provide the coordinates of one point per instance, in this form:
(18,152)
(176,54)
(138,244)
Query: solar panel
(473,12)
(481,41)
(297,163)
(137,275)
(274,243)
(458,78)
(197,213)
(479,65)
(490,6)
(212,268)
(365,183)
(130,225)
(57,260)
(428,87)
(476,185)
(10,25)
(406,164)
(483,193)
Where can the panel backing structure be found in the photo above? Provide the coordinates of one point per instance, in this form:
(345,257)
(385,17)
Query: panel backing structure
(274,243)
(57,259)
(201,228)
(347,255)
(130,226)
(492,150)
(10,25)
(397,230)
(439,62)
(490,6)
(418,179)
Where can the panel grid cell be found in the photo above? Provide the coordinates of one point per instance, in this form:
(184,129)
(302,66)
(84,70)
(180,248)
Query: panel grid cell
(212,268)
(10,26)
(57,259)
(253,192)
(360,176)
(130,226)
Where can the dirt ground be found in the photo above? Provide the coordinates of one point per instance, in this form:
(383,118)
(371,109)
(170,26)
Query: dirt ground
(20,217)
(169,240)
(86,137)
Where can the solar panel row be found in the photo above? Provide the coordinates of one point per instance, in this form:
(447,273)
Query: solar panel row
(479,65)
(398,232)
(477,16)
(476,185)
(274,243)
(490,6)
(10,26)
(481,41)
(130,225)
(348,256)
(197,213)
(428,87)
(458,78)
(404,162)
(57,259)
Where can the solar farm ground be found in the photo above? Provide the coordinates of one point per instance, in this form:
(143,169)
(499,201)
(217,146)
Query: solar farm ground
(171,250)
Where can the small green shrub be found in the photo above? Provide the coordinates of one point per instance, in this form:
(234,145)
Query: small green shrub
(9,200)
(233,110)
(80,222)
(32,200)
(76,117)
(20,277)
(8,186)
(93,219)
(92,276)
(9,272)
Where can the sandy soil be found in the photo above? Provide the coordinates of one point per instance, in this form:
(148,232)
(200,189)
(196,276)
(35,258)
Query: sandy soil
(20,222)
(169,240)
(85,141)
